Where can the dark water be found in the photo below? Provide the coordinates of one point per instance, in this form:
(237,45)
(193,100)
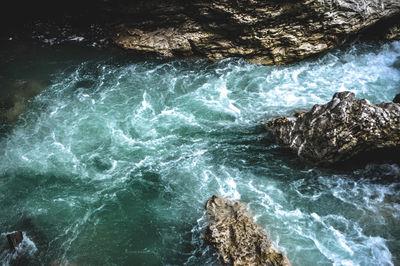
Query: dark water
(113,158)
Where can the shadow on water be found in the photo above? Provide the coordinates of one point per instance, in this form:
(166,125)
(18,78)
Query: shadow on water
(396,64)
(254,149)
(27,68)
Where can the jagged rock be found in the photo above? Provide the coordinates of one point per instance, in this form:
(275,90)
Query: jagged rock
(397,98)
(342,129)
(267,32)
(238,239)
(14,239)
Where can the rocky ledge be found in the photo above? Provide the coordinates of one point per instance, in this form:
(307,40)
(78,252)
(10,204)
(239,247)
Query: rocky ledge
(238,239)
(341,130)
(267,32)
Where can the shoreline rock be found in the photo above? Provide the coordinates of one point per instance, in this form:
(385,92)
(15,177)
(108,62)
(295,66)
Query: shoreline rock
(268,32)
(273,32)
(238,239)
(342,130)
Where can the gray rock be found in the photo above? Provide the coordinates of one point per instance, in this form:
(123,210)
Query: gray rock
(342,129)
(267,32)
(237,238)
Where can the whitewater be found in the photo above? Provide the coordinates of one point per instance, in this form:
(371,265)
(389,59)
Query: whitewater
(113,161)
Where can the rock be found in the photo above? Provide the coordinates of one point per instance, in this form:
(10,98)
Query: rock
(386,30)
(267,32)
(342,129)
(393,34)
(15,239)
(238,239)
(397,98)
(14,100)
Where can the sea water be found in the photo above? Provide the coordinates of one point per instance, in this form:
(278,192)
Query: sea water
(113,161)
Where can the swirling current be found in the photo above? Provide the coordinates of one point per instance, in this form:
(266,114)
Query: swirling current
(113,161)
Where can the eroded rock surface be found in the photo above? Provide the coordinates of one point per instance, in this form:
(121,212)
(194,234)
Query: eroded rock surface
(340,130)
(267,32)
(238,239)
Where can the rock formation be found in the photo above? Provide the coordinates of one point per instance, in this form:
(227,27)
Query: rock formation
(267,32)
(342,129)
(237,238)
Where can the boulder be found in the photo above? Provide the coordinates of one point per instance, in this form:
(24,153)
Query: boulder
(341,130)
(237,238)
(267,32)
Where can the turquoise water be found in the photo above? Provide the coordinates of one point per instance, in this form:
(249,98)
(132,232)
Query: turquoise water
(113,162)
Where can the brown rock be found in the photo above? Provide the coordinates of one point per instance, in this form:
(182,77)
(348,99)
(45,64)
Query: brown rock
(397,98)
(267,32)
(238,239)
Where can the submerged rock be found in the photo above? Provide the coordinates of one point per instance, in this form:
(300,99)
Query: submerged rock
(342,129)
(267,32)
(238,239)
(14,100)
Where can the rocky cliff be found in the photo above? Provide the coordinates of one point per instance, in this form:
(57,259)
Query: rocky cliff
(262,31)
(342,129)
(267,32)
(237,238)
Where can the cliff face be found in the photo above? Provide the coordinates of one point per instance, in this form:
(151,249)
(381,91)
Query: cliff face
(267,32)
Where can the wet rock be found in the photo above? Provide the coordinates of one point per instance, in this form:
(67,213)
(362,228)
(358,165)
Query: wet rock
(341,130)
(14,100)
(15,239)
(238,239)
(397,98)
(393,34)
(267,32)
